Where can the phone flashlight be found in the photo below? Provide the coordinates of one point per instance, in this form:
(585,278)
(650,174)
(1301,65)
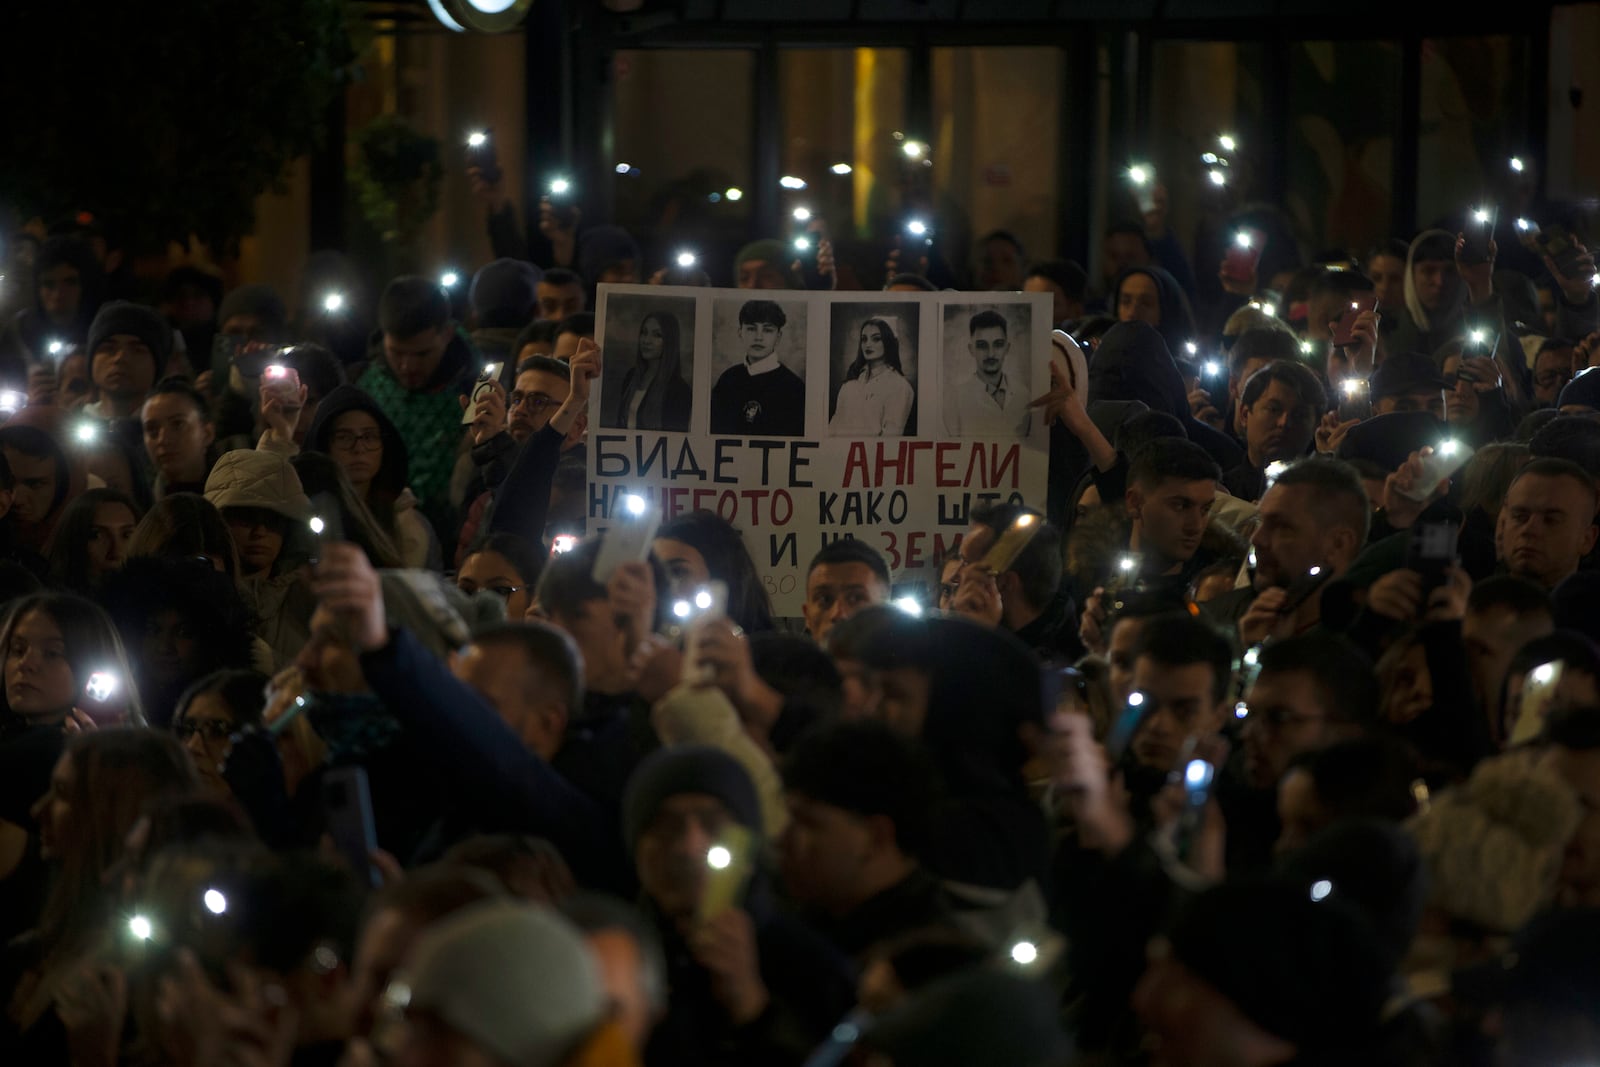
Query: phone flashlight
(1227,143)
(317,525)
(276,370)
(1265,307)
(1242,239)
(917,228)
(1517,164)
(560,187)
(86,432)
(1212,368)
(910,605)
(1352,386)
(802,244)
(842,169)
(1525,225)
(1478,336)
(802,214)
(561,544)
(1274,469)
(633,504)
(477,139)
(215,901)
(56,347)
(1450,447)
(333,303)
(10,401)
(1191,348)
(1217,177)
(449,279)
(1024,953)
(141,928)
(1138,174)
(687,259)
(914,149)
(1128,564)
(1307,347)
(101,685)
(1480,214)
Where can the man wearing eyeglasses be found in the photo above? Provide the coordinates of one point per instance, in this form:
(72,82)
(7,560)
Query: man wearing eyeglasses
(1312,691)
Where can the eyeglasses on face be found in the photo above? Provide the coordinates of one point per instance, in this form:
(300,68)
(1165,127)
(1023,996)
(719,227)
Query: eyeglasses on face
(208,729)
(351,441)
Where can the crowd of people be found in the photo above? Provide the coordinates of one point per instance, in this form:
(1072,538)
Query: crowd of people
(330,735)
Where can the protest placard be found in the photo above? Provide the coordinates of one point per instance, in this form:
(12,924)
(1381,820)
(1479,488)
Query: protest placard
(803,417)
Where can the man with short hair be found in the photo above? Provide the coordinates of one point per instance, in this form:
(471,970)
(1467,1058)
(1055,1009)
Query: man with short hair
(1182,668)
(1316,515)
(560,295)
(1278,413)
(1066,282)
(759,396)
(843,578)
(128,346)
(529,672)
(1504,613)
(860,800)
(988,402)
(572,329)
(1034,603)
(423,371)
(1552,370)
(178,434)
(1252,350)
(1547,523)
(1172,486)
(1311,691)
(503,300)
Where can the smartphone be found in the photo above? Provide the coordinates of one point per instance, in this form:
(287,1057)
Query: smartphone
(1444,461)
(1063,689)
(1355,399)
(481,154)
(253,362)
(347,816)
(1124,579)
(1302,588)
(1244,253)
(1214,377)
(1481,341)
(1143,181)
(1479,231)
(559,193)
(1538,689)
(1012,540)
(11,401)
(1126,726)
(1198,775)
(729,864)
(1430,551)
(99,693)
(283,382)
(561,544)
(1344,329)
(1557,243)
(326,523)
(633,527)
(486,380)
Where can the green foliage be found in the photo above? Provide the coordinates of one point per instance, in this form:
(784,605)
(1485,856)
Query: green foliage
(397,175)
(164,117)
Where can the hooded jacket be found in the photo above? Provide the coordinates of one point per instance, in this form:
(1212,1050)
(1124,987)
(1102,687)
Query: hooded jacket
(282,601)
(1177,319)
(1133,363)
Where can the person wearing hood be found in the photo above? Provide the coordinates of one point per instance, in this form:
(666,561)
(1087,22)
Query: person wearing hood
(129,344)
(425,369)
(1134,363)
(67,288)
(504,297)
(353,430)
(1151,295)
(1581,396)
(748,983)
(260,498)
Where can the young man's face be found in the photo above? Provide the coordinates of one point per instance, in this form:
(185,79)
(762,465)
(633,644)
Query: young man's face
(413,360)
(124,366)
(1546,527)
(1061,309)
(556,302)
(1179,706)
(1431,277)
(672,849)
(567,345)
(1278,426)
(760,339)
(1172,516)
(1425,399)
(822,853)
(836,591)
(35,490)
(176,437)
(1139,300)
(1388,275)
(61,292)
(537,396)
(1551,372)
(989,346)
(1000,268)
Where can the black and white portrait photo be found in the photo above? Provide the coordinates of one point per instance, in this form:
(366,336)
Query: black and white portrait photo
(649,362)
(987,374)
(758,359)
(873,370)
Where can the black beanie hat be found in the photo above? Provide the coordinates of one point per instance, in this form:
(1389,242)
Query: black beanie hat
(504,294)
(1377,868)
(1405,372)
(1583,390)
(680,769)
(123,316)
(262,301)
(1301,964)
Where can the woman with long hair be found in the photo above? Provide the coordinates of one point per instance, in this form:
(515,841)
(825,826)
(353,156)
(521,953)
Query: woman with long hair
(186,526)
(700,546)
(653,394)
(92,539)
(320,475)
(99,787)
(875,399)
